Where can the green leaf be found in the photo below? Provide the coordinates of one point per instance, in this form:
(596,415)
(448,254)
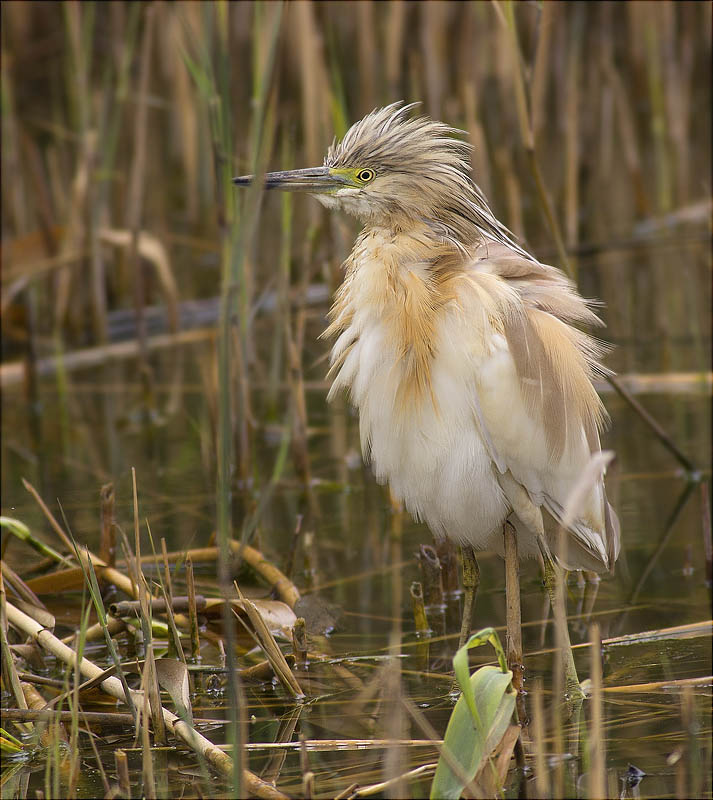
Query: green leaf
(460,664)
(23,533)
(9,744)
(479,720)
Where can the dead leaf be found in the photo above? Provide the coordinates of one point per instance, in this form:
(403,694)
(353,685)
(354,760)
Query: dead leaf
(173,677)
(278,616)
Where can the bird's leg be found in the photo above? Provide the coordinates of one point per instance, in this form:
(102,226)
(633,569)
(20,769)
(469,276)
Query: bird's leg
(513,638)
(471,581)
(553,576)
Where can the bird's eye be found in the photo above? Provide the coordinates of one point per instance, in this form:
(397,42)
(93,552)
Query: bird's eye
(366,175)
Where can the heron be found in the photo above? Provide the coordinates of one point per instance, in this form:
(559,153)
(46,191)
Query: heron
(463,353)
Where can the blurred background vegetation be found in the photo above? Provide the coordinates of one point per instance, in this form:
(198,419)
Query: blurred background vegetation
(154,317)
(124,247)
(123,122)
(107,126)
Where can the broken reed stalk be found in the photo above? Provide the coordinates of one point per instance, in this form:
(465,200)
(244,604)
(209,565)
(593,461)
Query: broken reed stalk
(266,640)
(513,639)
(113,627)
(558,691)
(42,714)
(135,560)
(299,641)
(597,749)
(192,611)
(149,681)
(108,574)
(394,721)
(282,310)
(304,755)
(166,571)
(419,610)
(149,677)
(75,678)
(298,403)
(510,743)
(122,772)
(655,686)
(308,785)
(66,541)
(513,644)
(542,782)
(691,759)
(107,546)
(112,686)
(99,718)
(394,783)
(175,646)
(19,586)
(396,539)
(10,677)
(125,608)
(294,542)
(282,585)
(39,680)
(263,671)
(148,710)
(471,583)
(92,585)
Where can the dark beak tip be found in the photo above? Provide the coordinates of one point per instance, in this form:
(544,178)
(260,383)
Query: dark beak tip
(312,179)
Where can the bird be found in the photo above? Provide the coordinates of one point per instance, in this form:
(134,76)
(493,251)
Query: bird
(464,355)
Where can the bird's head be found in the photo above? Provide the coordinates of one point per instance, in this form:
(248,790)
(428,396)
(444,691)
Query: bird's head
(394,170)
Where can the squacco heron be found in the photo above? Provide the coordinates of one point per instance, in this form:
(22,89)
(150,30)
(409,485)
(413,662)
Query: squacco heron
(460,350)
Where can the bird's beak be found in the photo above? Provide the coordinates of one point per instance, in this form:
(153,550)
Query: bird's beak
(316,180)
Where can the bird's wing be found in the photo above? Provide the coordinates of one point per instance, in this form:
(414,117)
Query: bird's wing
(534,401)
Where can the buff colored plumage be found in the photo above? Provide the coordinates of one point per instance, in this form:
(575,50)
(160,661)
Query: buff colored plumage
(459,348)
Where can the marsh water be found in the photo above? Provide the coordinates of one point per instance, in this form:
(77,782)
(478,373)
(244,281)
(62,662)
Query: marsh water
(359,557)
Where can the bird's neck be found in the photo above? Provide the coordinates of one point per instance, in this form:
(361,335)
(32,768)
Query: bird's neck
(398,282)
(401,244)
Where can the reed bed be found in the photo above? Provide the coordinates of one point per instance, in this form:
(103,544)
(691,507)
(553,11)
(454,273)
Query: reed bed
(148,643)
(136,284)
(149,94)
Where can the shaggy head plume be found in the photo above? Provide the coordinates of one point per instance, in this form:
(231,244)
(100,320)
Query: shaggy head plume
(417,171)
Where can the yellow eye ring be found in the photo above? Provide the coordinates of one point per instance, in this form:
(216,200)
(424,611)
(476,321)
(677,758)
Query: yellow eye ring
(366,175)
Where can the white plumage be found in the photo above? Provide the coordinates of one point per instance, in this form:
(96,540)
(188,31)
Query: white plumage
(466,452)
(459,348)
